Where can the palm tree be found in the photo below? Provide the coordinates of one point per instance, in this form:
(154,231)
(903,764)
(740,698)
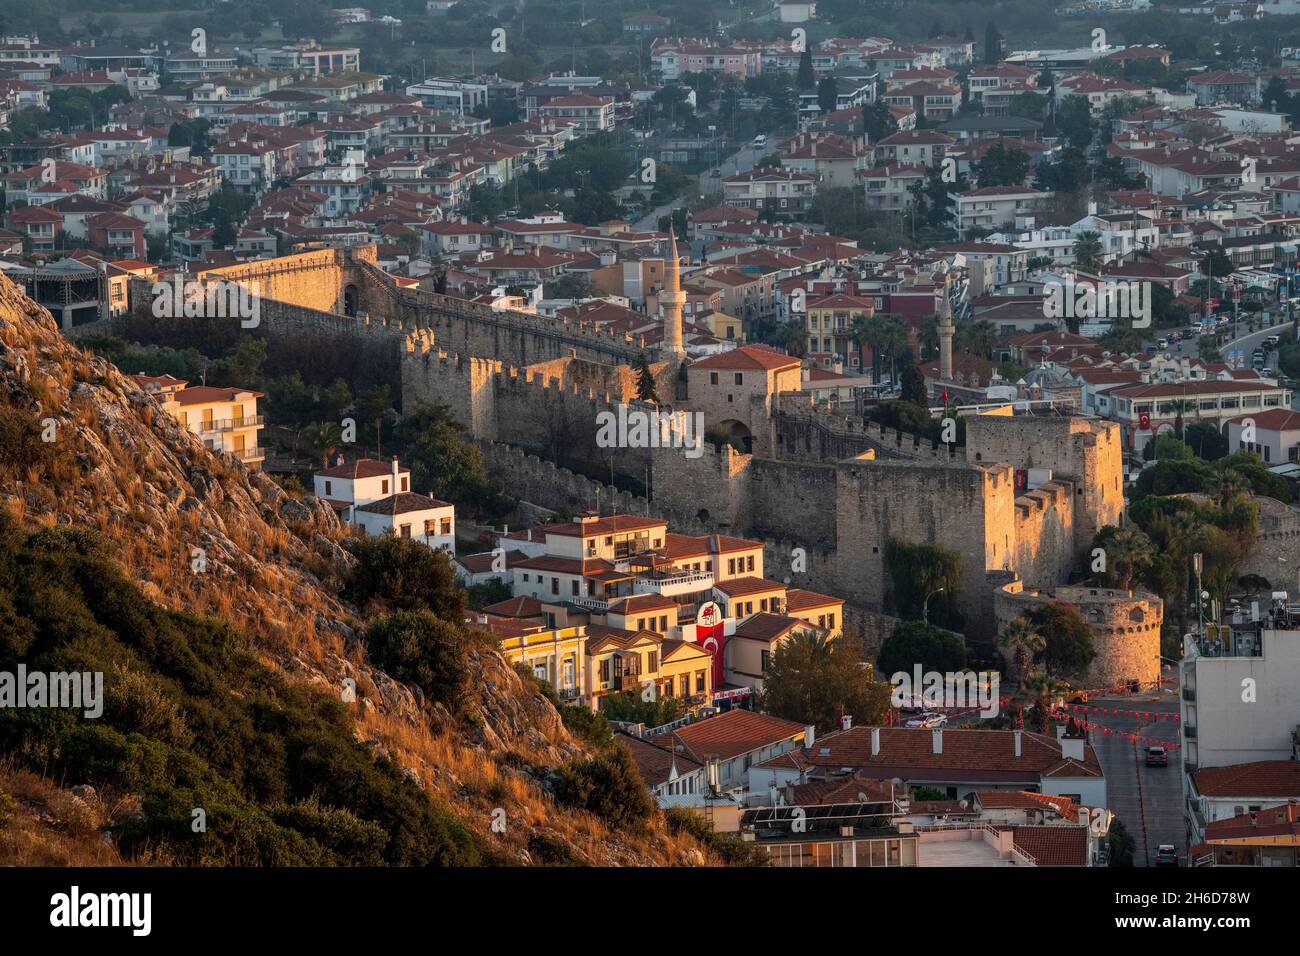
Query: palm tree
(867,331)
(894,338)
(1088,251)
(793,337)
(323,438)
(1042,690)
(978,338)
(1022,639)
(1129,551)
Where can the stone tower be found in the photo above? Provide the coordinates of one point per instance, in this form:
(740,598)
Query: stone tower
(946,331)
(672,299)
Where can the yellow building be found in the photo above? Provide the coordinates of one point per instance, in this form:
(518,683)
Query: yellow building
(620,661)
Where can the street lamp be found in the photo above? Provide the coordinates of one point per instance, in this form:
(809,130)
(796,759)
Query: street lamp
(925,609)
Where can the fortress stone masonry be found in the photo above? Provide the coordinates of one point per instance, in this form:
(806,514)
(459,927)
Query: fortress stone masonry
(1125,627)
(531,387)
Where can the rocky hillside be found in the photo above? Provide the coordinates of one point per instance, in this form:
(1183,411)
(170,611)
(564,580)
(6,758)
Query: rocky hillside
(82,446)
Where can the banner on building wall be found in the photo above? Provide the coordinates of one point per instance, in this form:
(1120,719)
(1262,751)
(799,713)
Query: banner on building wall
(709,635)
(1144,421)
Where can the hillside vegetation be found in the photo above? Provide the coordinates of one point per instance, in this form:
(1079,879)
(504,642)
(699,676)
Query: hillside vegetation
(213,603)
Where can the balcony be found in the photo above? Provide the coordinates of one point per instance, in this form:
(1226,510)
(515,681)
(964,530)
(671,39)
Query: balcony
(1189,731)
(230,424)
(591,603)
(247,454)
(1189,694)
(673,584)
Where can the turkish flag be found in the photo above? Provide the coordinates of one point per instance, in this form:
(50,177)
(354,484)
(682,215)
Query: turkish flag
(1144,421)
(945,396)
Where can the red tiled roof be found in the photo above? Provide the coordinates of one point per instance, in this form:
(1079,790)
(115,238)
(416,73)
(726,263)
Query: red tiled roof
(729,735)
(1264,778)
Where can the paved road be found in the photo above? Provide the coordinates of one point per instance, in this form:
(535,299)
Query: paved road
(742,161)
(1147,799)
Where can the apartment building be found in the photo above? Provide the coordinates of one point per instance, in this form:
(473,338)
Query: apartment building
(780,191)
(225,418)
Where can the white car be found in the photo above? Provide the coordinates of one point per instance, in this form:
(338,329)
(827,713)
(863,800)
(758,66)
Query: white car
(928,719)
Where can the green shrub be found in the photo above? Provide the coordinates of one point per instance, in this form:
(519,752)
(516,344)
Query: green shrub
(193,720)
(610,786)
(420,648)
(399,574)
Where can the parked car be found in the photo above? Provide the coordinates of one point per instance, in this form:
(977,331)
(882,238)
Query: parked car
(1157,757)
(928,719)
(760,140)
(1166,855)
(1162,344)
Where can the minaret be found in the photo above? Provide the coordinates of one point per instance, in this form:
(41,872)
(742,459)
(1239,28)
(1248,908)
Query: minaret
(946,331)
(671,300)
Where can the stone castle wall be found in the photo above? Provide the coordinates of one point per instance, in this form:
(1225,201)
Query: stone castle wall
(1045,534)
(1125,627)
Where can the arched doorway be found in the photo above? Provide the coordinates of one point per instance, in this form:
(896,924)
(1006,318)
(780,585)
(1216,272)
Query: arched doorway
(350,297)
(733,433)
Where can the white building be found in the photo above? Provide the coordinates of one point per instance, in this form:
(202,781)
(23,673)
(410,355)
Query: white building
(992,207)
(1274,435)
(1238,711)
(376,496)
(410,515)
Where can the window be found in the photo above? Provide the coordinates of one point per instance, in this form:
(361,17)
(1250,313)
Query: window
(652,661)
(406,483)
(740,378)
(446,526)
(406,531)
(430,526)
(731,565)
(749,563)
(329,486)
(604,671)
(699,682)
(765,659)
(555,585)
(385,486)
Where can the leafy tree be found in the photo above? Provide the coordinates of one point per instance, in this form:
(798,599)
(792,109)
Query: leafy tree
(1074,121)
(610,786)
(491,591)
(1002,167)
(826,94)
(913,387)
(915,642)
(443,460)
(631,707)
(813,679)
(919,571)
(323,438)
(1067,174)
(1206,440)
(877,121)
(400,574)
(1121,844)
(421,648)
(992,44)
(1069,647)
